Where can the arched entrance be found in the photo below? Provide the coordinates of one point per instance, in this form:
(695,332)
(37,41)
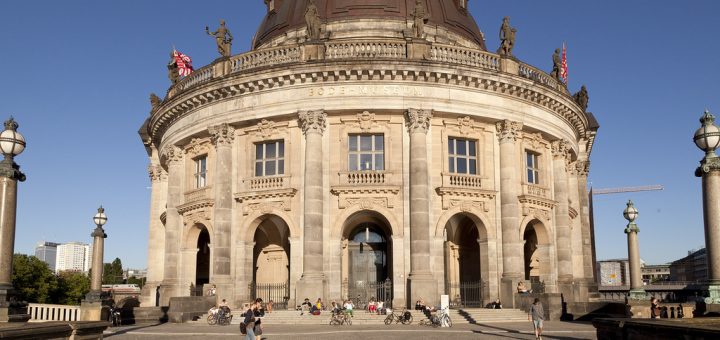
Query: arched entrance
(466,260)
(202,260)
(536,255)
(367,259)
(271,261)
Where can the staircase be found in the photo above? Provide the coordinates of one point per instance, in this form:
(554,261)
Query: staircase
(361,317)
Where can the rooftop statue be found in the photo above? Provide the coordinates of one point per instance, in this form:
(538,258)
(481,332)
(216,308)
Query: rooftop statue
(420,17)
(223,38)
(154,101)
(582,98)
(172,66)
(557,64)
(507,38)
(312,20)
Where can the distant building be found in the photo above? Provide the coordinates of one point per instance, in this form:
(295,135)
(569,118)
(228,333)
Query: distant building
(692,267)
(47,252)
(656,272)
(137,273)
(73,256)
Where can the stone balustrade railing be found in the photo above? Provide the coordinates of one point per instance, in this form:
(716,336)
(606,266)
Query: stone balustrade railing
(366,49)
(537,75)
(265,57)
(199,76)
(462,181)
(465,56)
(267,183)
(45,312)
(364,178)
(198,194)
(536,190)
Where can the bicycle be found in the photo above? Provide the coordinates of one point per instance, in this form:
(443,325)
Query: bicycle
(405,317)
(340,318)
(115,317)
(216,316)
(440,319)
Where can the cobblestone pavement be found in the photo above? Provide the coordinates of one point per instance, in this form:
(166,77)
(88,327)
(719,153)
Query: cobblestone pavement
(510,330)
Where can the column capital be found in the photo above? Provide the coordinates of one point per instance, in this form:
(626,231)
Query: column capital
(154,171)
(582,167)
(560,149)
(222,134)
(418,120)
(632,228)
(707,165)
(508,130)
(172,154)
(313,121)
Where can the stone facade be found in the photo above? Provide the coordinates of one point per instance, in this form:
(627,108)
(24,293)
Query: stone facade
(319,166)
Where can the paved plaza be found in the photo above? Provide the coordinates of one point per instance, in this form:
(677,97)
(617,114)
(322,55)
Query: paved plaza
(510,330)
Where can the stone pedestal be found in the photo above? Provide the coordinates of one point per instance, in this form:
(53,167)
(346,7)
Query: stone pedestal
(311,287)
(509,65)
(91,310)
(11,310)
(313,50)
(418,48)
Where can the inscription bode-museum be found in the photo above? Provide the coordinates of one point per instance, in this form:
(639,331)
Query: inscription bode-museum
(331,162)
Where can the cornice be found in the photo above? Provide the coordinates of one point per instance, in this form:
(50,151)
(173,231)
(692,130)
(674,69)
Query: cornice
(355,190)
(194,205)
(461,192)
(538,201)
(264,194)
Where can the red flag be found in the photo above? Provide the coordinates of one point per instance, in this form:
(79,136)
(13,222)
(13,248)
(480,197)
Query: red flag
(564,70)
(184,63)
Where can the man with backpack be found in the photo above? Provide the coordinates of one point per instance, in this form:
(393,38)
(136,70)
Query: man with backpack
(250,326)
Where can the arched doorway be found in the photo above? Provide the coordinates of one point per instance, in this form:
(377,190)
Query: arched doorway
(536,255)
(466,260)
(202,260)
(367,259)
(271,261)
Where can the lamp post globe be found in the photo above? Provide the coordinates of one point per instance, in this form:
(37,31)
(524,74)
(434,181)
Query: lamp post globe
(12,143)
(100,219)
(630,213)
(707,137)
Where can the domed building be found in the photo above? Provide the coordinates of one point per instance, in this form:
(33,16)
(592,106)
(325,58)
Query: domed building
(366,149)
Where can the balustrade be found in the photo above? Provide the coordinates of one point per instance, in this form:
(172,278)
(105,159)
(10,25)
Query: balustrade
(465,56)
(267,183)
(529,72)
(536,190)
(366,49)
(45,312)
(198,194)
(265,57)
(198,77)
(364,177)
(462,180)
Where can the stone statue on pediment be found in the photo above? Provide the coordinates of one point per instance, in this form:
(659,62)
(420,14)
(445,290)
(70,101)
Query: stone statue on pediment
(420,17)
(223,38)
(582,98)
(154,101)
(312,20)
(172,67)
(507,38)
(557,64)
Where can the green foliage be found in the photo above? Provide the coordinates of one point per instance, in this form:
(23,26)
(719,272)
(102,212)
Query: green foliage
(134,280)
(113,272)
(34,280)
(73,287)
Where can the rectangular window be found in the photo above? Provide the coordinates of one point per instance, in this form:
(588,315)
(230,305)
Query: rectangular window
(270,158)
(462,156)
(366,152)
(533,169)
(200,172)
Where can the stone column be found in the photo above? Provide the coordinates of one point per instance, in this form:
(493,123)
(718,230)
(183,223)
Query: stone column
(583,168)
(636,285)
(173,226)
(222,137)
(562,218)
(512,248)
(9,175)
(709,170)
(422,283)
(312,283)
(156,237)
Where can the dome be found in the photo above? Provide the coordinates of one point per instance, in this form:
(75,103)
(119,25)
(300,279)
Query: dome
(447,15)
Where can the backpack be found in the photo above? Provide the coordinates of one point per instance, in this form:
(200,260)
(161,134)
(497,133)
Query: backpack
(243,328)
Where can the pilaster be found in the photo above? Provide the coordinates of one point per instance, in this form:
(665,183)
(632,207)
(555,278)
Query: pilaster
(562,217)
(170,286)
(582,166)
(222,137)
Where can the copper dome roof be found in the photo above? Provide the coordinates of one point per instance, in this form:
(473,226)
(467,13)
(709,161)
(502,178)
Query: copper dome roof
(289,14)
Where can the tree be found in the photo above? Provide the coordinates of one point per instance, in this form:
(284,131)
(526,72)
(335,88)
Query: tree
(113,272)
(33,279)
(138,281)
(73,287)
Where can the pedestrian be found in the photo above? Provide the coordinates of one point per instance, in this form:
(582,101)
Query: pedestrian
(249,321)
(654,308)
(537,315)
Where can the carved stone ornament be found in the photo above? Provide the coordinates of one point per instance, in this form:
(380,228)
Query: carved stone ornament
(172,154)
(535,140)
(266,128)
(222,134)
(542,214)
(707,165)
(313,121)
(582,167)
(366,120)
(418,120)
(154,171)
(560,148)
(508,130)
(466,125)
(197,146)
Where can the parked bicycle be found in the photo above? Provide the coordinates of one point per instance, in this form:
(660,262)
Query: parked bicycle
(440,319)
(340,318)
(220,316)
(404,317)
(115,318)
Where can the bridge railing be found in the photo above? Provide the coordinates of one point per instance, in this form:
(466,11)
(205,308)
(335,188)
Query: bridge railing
(40,312)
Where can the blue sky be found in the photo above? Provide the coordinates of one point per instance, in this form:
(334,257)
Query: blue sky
(76,75)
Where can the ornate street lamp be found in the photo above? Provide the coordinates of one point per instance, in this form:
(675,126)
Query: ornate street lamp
(12,143)
(97,256)
(707,138)
(636,286)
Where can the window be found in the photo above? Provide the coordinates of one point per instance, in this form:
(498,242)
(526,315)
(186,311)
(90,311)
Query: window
(533,170)
(200,172)
(270,158)
(462,156)
(366,152)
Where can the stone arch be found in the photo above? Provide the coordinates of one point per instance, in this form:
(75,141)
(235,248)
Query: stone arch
(338,229)
(479,218)
(247,231)
(540,226)
(192,231)
(537,262)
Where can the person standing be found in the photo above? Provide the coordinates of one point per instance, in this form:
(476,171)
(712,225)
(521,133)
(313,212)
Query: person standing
(537,315)
(654,308)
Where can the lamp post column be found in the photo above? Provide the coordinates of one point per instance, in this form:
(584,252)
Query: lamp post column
(11,144)
(313,283)
(99,237)
(636,286)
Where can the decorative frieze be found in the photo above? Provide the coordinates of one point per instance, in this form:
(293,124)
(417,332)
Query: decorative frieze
(508,130)
(535,140)
(463,125)
(365,202)
(201,216)
(543,214)
(418,120)
(197,146)
(313,121)
(222,134)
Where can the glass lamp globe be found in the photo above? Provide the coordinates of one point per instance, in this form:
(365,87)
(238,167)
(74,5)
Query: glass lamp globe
(630,213)
(707,137)
(100,217)
(12,143)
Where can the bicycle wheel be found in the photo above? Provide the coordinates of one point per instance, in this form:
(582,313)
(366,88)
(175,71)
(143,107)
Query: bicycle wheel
(389,319)
(407,321)
(348,321)
(448,321)
(435,321)
(211,319)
